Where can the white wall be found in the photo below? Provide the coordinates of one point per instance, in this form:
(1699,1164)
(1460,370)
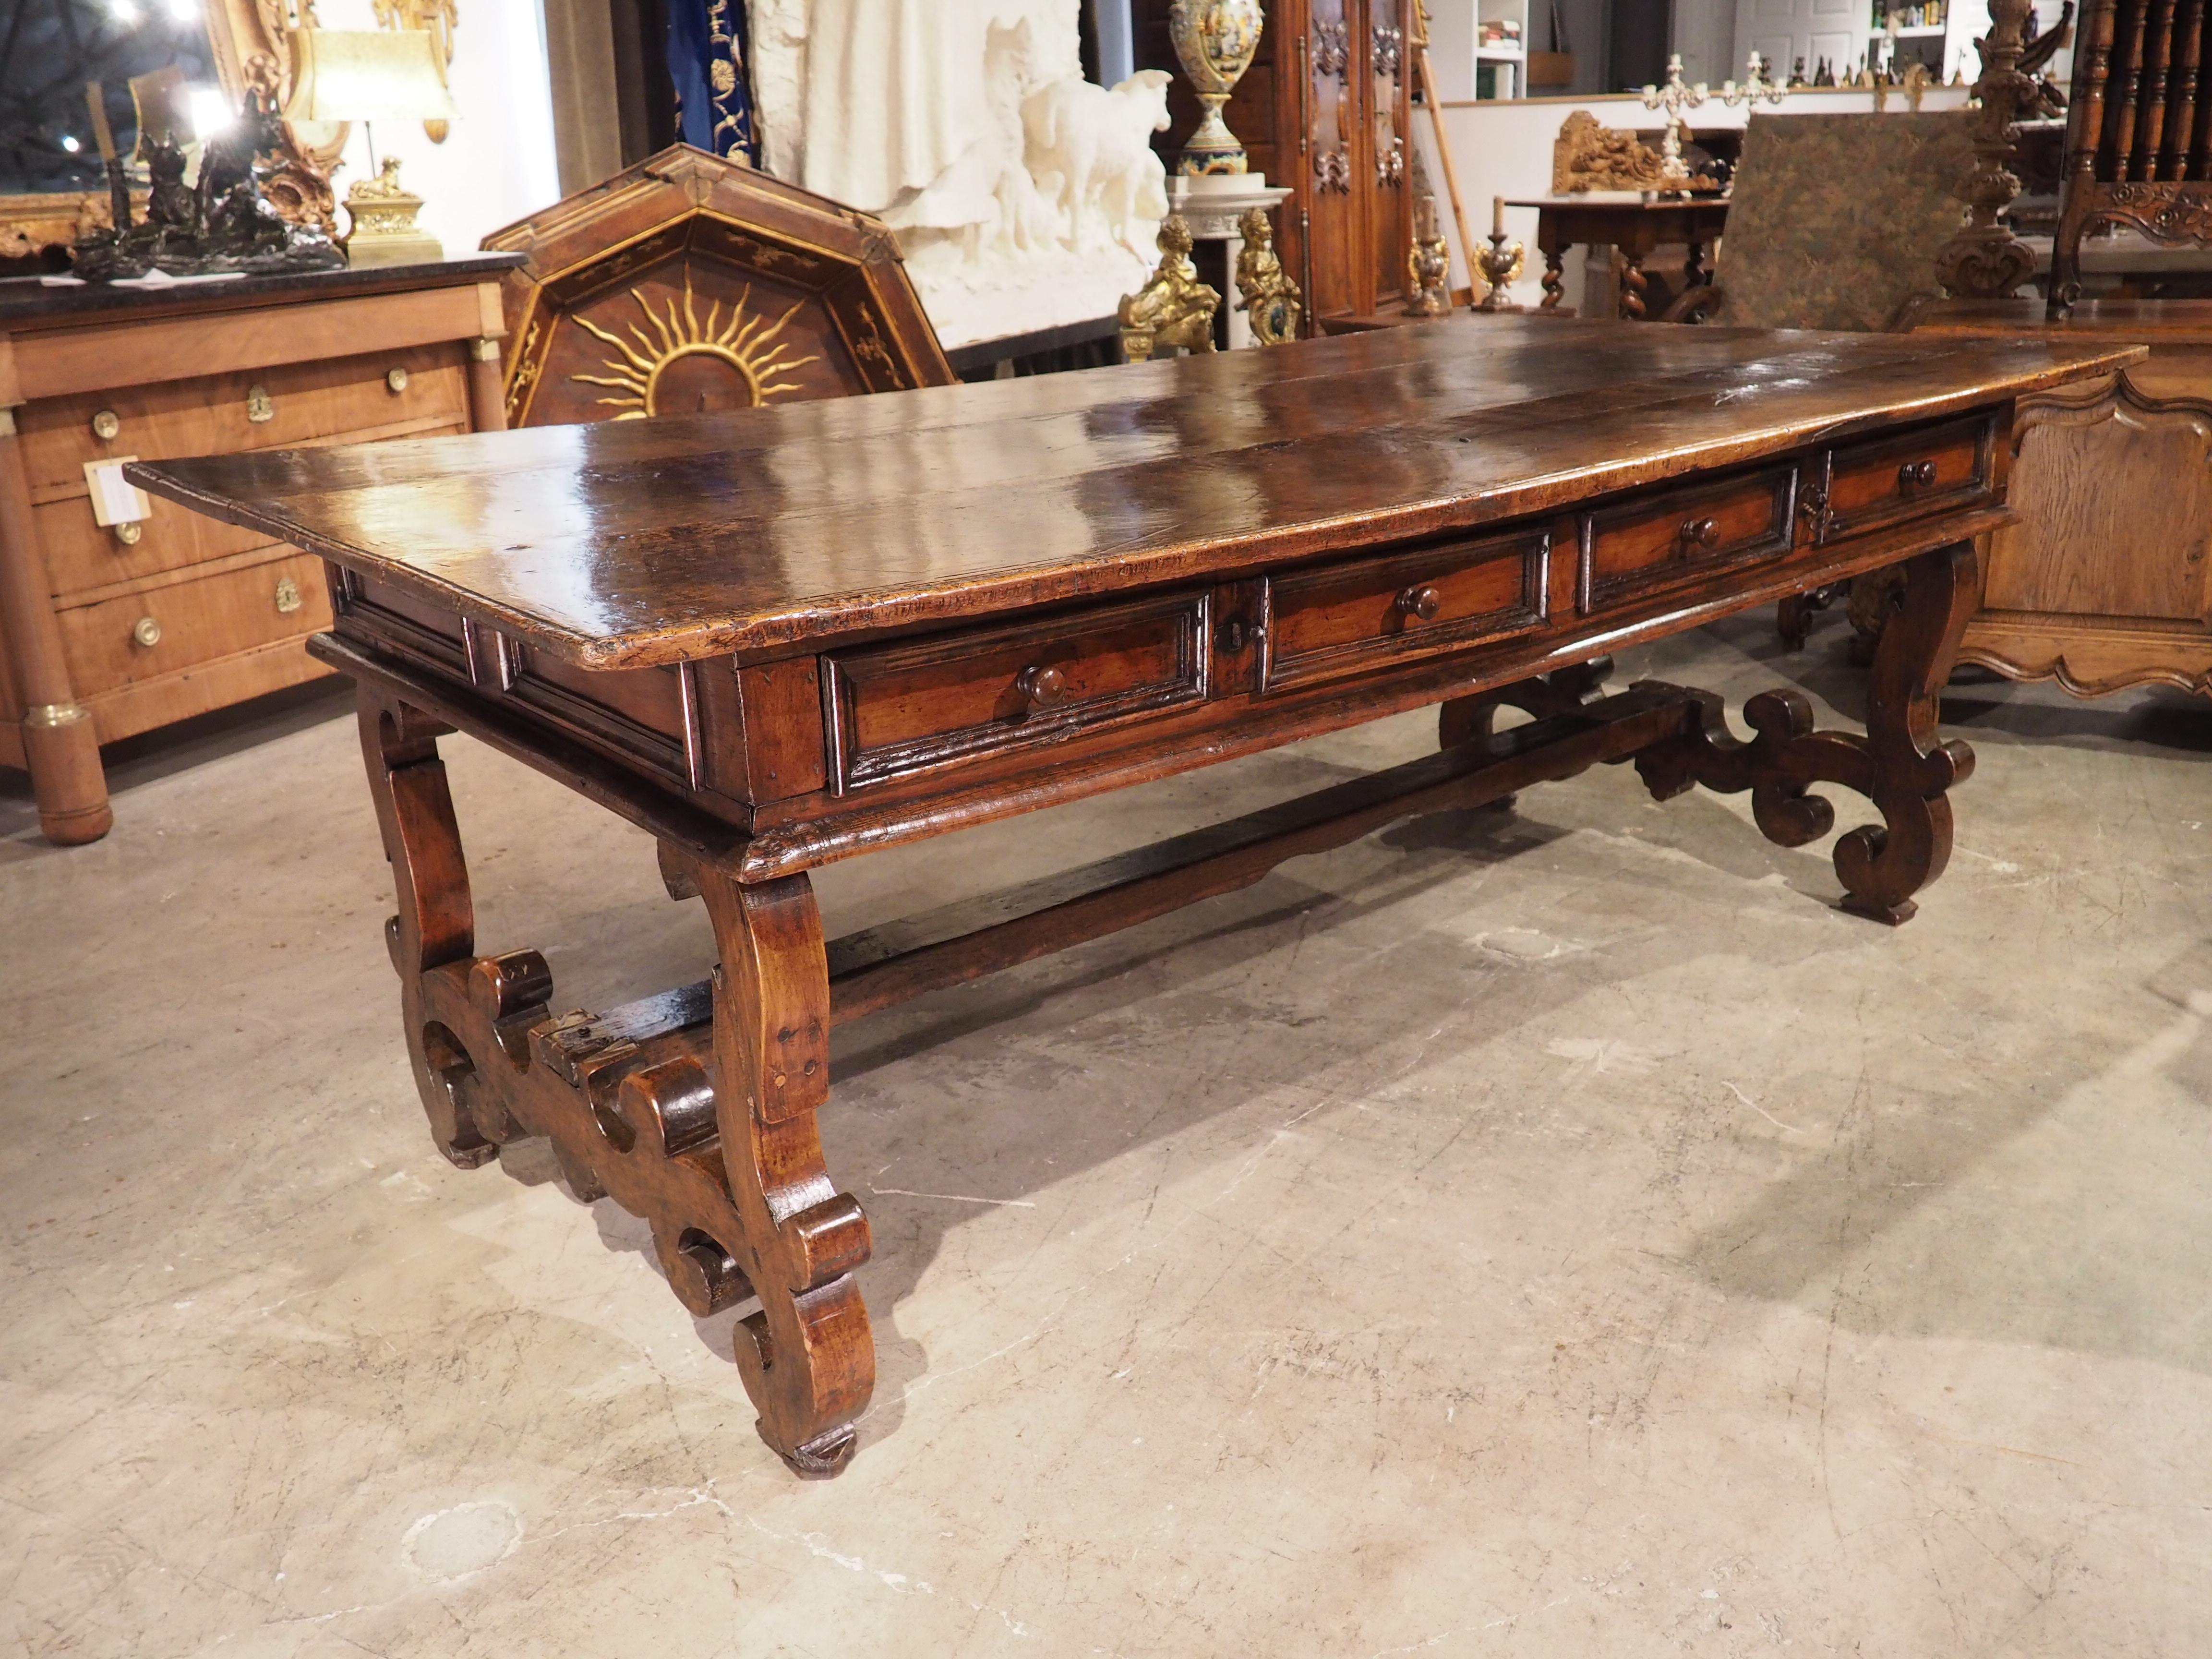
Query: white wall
(1502,148)
(497,163)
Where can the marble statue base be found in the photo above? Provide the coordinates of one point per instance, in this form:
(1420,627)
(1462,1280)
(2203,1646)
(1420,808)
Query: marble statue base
(971,303)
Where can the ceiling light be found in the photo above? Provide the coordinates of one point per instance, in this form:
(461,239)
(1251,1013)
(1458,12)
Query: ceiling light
(69,143)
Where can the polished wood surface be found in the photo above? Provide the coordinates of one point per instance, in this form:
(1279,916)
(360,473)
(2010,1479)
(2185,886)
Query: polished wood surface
(654,542)
(782,638)
(107,631)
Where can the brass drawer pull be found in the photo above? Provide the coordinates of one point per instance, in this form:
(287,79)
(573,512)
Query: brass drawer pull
(106,426)
(260,406)
(287,596)
(1916,475)
(1421,603)
(1700,532)
(128,533)
(1042,687)
(147,634)
(395,379)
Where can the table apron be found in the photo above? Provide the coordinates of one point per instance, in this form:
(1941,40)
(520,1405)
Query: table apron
(764,840)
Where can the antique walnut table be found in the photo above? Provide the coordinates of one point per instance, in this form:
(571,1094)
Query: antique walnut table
(781,637)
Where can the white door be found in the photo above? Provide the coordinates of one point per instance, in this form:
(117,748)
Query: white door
(1784,31)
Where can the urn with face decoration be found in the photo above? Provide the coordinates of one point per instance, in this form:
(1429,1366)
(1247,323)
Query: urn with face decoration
(1215,39)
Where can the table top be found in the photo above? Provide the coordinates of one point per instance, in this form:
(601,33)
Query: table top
(26,302)
(1624,201)
(630,544)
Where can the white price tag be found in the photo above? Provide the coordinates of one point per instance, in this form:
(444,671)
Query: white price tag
(113,501)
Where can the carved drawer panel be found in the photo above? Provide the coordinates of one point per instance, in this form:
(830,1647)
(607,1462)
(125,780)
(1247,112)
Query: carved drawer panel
(1935,469)
(1349,616)
(897,709)
(1654,542)
(142,636)
(287,405)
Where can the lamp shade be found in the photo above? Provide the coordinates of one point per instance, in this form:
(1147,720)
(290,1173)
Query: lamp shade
(366,75)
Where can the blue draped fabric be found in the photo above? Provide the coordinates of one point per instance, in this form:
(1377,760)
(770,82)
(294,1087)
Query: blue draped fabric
(706,46)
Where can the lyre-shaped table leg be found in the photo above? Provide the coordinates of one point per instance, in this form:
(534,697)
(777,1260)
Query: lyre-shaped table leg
(1899,764)
(436,920)
(808,1358)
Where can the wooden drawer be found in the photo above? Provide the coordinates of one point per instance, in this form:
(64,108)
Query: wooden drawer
(195,622)
(1355,614)
(81,555)
(1934,469)
(301,403)
(1654,542)
(897,709)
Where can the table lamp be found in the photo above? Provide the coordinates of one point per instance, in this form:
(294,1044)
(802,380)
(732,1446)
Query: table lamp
(367,76)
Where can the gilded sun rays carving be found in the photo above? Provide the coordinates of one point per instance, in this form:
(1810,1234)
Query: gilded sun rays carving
(751,346)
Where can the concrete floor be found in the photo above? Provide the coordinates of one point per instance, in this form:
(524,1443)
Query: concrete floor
(1558,1234)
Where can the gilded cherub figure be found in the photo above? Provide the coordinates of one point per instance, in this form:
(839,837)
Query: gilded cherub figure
(1272,300)
(1173,308)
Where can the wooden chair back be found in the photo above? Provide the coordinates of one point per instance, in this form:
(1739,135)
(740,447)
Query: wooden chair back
(690,283)
(2138,131)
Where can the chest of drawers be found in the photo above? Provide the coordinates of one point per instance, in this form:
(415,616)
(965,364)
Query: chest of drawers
(106,630)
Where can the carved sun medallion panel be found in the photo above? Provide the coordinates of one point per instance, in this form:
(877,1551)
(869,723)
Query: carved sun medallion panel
(678,364)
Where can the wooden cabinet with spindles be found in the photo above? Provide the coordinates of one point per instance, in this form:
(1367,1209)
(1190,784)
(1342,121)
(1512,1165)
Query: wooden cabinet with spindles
(118,613)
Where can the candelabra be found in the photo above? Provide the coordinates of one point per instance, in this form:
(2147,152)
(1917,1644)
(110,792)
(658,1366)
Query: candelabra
(1674,97)
(1755,85)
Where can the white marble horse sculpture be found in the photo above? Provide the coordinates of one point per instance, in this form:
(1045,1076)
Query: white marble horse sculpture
(1090,150)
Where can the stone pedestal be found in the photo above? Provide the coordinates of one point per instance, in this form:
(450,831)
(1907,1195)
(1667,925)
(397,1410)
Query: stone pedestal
(1211,205)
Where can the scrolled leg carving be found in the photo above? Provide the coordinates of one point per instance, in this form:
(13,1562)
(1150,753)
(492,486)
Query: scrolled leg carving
(1898,764)
(807,1355)
(698,1118)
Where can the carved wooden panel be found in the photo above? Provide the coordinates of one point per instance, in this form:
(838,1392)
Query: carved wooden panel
(2115,497)
(2103,582)
(689,284)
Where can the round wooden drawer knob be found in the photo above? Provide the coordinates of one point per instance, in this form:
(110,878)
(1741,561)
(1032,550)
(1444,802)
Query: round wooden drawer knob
(147,632)
(395,379)
(1700,532)
(106,426)
(1916,475)
(1043,687)
(1421,603)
